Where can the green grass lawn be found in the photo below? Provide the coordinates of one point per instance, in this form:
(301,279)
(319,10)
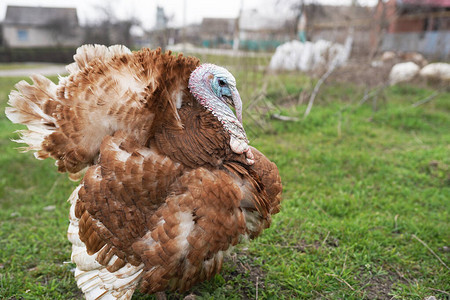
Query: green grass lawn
(362,186)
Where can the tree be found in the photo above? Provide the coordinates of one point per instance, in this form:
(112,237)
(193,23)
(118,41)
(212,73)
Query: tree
(109,29)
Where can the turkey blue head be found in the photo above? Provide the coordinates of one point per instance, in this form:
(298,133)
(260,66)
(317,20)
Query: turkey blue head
(215,89)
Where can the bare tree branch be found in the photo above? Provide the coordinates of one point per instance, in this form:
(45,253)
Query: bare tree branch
(427,99)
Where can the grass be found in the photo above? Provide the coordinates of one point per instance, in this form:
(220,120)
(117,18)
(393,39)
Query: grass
(360,186)
(15,66)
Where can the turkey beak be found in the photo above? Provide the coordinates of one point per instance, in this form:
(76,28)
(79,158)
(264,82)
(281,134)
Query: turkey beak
(237,103)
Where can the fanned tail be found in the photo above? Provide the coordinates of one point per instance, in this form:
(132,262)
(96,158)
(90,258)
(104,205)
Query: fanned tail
(107,89)
(39,107)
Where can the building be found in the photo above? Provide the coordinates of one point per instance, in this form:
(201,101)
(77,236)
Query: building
(414,25)
(332,23)
(254,31)
(26,26)
(262,32)
(217,32)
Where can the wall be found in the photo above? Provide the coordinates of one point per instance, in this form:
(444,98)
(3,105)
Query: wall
(26,36)
(433,44)
(407,25)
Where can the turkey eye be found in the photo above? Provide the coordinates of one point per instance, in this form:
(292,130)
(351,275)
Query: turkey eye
(222,83)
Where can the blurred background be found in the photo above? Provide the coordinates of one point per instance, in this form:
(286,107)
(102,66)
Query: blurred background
(249,25)
(370,42)
(364,38)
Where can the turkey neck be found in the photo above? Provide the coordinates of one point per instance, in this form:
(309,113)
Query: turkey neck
(201,90)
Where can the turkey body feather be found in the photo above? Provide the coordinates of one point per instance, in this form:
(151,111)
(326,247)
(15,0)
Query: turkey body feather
(170,182)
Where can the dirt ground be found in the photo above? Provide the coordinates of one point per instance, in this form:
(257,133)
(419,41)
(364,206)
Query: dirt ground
(362,73)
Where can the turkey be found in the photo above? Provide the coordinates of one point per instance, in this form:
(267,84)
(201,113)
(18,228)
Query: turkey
(169,181)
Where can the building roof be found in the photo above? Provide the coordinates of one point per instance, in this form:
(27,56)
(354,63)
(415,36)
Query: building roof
(40,16)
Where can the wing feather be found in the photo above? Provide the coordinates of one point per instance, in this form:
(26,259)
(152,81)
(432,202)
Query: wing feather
(141,206)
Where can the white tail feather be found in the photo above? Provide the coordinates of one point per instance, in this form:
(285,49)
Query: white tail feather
(25,109)
(33,137)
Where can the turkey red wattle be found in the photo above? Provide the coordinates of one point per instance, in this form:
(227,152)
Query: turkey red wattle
(201,86)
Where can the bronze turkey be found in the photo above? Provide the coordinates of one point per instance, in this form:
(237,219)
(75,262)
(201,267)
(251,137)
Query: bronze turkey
(169,181)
